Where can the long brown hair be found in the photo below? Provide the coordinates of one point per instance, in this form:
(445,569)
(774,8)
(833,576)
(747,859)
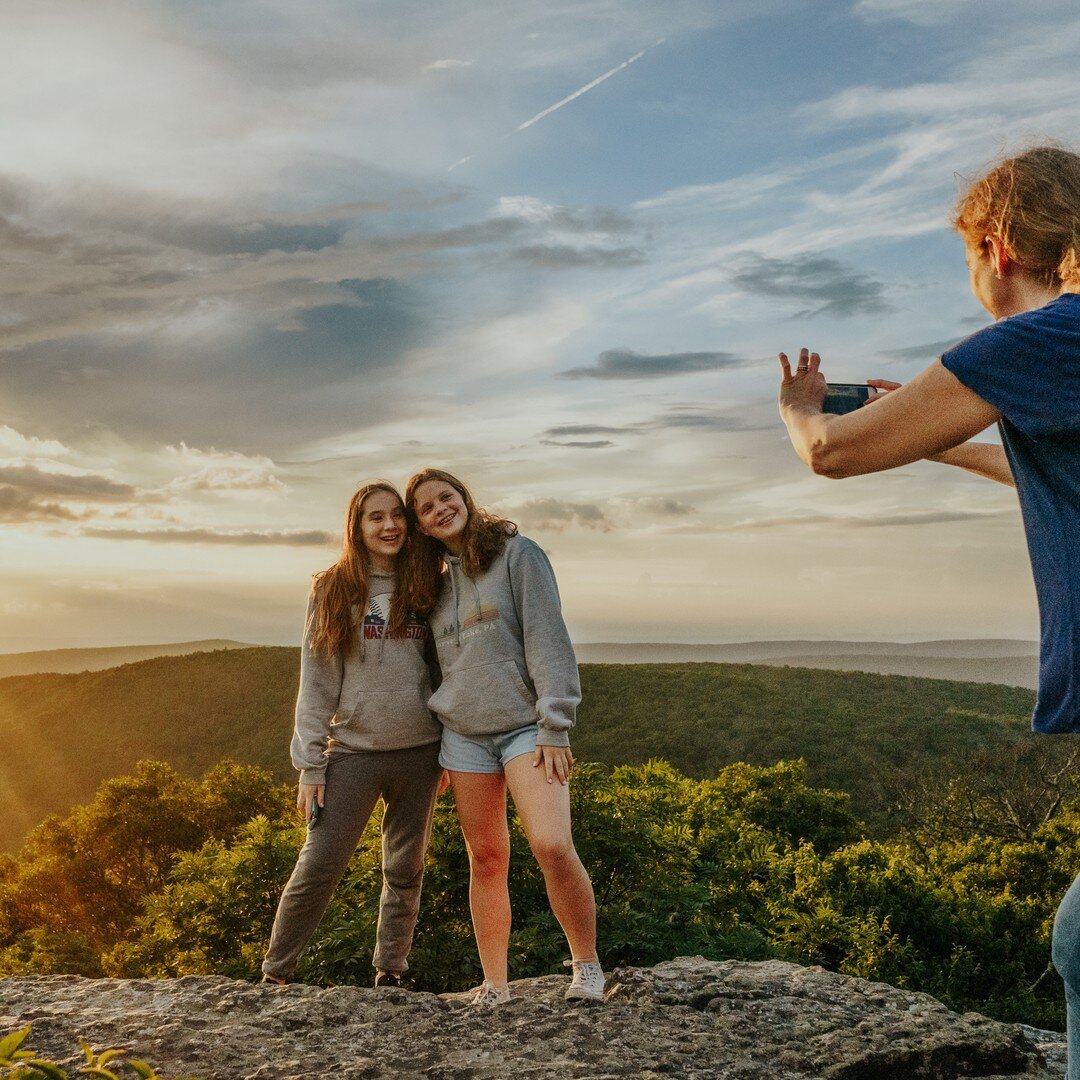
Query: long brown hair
(343,587)
(483,540)
(1032,202)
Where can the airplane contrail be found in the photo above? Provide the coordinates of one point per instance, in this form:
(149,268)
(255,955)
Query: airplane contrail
(588,86)
(570,97)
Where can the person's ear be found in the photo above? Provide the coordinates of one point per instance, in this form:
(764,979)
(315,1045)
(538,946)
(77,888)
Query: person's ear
(999,257)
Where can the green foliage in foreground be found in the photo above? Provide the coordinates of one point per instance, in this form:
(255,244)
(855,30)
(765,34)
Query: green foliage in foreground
(21,1063)
(80,881)
(752,863)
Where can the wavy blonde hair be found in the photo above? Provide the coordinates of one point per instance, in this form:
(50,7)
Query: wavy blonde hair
(343,587)
(1032,202)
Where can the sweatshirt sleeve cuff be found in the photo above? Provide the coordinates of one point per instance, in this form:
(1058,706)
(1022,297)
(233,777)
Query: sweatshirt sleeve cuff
(548,737)
(315,776)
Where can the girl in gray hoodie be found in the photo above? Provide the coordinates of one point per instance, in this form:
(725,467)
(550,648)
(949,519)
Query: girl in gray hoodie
(363,732)
(507,701)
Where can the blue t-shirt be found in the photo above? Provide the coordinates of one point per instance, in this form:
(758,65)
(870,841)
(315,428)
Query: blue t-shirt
(1028,368)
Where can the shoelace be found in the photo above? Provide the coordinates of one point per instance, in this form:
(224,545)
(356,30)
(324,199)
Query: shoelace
(488,994)
(586,972)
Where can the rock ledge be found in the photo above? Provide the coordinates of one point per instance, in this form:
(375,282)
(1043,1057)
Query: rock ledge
(688,1017)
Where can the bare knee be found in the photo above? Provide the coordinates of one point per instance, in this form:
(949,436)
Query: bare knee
(489,860)
(554,854)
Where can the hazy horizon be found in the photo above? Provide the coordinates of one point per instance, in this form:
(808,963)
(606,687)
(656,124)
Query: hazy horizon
(254,255)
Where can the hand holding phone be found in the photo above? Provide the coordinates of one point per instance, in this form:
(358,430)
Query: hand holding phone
(843,398)
(309,802)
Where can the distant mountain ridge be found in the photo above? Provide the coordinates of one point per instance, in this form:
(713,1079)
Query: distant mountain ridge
(69,661)
(62,734)
(981,660)
(668,652)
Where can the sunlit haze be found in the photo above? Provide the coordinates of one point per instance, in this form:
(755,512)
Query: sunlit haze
(254,254)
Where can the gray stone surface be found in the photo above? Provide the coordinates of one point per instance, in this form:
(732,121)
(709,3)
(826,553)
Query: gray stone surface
(685,1018)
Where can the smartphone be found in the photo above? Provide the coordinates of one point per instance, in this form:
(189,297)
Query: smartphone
(313,819)
(846,397)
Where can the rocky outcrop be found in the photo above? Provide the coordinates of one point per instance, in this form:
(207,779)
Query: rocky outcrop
(685,1018)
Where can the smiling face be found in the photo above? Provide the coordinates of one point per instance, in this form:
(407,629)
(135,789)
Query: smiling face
(441,513)
(383,528)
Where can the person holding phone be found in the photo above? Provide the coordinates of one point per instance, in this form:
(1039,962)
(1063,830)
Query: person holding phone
(363,732)
(507,702)
(1021,228)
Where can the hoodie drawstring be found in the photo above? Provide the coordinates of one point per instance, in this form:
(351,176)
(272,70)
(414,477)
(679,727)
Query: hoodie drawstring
(457,612)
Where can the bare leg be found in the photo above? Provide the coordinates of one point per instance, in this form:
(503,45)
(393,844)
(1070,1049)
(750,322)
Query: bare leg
(481,807)
(544,812)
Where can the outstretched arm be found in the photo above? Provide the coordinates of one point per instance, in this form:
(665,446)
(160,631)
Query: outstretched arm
(983,459)
(931,414)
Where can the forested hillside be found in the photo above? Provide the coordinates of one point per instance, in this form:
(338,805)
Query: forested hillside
(864,734)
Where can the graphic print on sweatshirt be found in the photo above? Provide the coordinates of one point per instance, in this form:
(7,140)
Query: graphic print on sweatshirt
(378,614)
(482,620)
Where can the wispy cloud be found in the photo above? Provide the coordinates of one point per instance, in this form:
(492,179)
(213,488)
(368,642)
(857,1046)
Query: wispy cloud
(447,65)
(921,352)
(19,507)
(580,444)
(871,521)
(250,538)
(827,284)
(554,515)
(88,487)
(628,364)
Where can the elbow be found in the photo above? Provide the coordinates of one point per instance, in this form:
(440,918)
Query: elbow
(826,460)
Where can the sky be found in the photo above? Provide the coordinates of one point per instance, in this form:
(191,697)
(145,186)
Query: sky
(254,254)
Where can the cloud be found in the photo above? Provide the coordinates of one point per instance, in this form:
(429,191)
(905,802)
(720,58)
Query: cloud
(530,210)
(15,445)
(561,237)
(660,506)
(920,12)
(446,65)
(580,444)
(555,515)
(223,471)
(676,417)
(930,351)
(827,284)
(296,538)
(87,486)
(628,364)
(692,416)
(564,256)
(872,521)
(18,507)
(563,430)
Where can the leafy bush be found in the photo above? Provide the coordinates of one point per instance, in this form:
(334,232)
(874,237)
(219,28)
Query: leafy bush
(751,863)
(80,881)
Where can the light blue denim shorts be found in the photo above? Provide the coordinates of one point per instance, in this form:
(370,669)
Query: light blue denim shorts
(485,753)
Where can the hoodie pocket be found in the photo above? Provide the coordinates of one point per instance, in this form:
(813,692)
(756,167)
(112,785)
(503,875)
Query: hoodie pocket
(381,712)
(484,699)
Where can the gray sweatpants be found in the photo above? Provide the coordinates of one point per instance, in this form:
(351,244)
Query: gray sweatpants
(406,780)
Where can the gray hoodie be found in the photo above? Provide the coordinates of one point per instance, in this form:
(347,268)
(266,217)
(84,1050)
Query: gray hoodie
(504,651)
(373,698)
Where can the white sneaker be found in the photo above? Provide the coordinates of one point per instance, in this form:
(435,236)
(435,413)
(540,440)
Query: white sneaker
(488,994)
(588,981)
